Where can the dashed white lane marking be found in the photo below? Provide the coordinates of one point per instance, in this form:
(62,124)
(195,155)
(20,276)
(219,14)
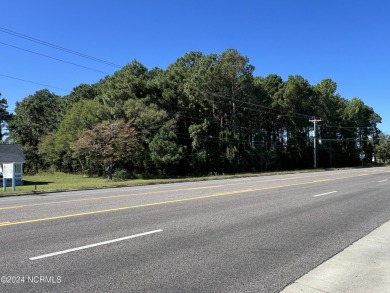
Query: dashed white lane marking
(94,245)
(324,193)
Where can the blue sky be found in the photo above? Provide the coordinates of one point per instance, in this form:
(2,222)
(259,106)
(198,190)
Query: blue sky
(347,41)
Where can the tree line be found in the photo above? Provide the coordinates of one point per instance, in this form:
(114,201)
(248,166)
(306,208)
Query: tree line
(203,114)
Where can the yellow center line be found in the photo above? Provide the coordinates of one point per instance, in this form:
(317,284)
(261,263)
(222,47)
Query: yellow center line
(324,180)
(220,194)
(13,207)
(163,191)
(146,193)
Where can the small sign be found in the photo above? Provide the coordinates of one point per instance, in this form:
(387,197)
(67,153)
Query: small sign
(8,171)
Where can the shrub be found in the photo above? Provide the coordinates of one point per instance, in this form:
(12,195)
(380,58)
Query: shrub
(121,175)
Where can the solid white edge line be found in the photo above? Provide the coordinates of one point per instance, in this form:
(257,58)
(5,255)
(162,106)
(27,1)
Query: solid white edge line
(324,193)
(383,180)
(94,245)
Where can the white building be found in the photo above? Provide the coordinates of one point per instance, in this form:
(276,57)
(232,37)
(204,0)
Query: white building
(12,153)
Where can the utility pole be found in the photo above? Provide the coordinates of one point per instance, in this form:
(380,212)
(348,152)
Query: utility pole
(315,140)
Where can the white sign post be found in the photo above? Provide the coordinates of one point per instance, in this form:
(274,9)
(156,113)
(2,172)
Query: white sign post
(9,173)
(362,155)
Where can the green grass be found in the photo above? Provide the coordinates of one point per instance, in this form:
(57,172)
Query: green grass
(48,182)
(51,182)
(57,181)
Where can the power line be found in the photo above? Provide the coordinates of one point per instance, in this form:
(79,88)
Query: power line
(346,127)
(33,82)
(209,138)
(53,58)
(292,114)
(345,139)
(186,136)
(259,110)
(35,40)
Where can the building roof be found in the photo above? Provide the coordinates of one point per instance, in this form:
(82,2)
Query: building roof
(11,153)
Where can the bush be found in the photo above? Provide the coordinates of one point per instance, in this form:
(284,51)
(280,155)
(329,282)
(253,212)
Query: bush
(120,175)
(146,176)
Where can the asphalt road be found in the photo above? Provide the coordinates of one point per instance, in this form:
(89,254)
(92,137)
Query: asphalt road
(255,234)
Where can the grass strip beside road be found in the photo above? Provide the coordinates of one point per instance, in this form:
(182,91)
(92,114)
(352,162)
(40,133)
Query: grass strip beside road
(54,182)
(57,181)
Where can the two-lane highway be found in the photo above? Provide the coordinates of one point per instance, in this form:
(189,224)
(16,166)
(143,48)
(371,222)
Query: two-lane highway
(254,234)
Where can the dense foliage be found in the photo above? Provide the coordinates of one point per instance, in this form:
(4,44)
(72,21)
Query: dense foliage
(5,117)
(203,114)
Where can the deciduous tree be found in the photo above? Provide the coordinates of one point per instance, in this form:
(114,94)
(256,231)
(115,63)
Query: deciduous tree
(107,144)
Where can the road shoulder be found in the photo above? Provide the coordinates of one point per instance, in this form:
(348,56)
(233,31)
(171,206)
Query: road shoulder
(362,267)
